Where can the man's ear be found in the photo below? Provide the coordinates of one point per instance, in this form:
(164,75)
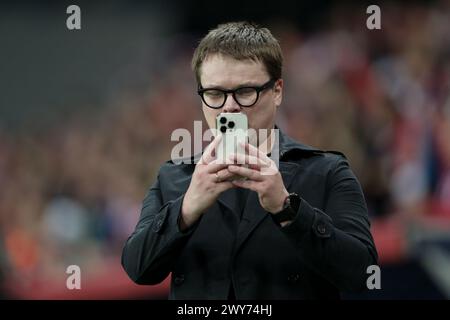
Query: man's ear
(278,92)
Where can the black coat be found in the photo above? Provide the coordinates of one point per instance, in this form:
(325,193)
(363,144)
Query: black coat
(326,249)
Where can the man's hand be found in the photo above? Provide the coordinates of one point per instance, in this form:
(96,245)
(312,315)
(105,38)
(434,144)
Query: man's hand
(262,176)
(207,183)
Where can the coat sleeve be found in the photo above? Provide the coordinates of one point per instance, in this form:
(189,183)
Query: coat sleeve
(152,249)
(337,243)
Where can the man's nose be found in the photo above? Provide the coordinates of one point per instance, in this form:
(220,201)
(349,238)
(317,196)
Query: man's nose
(231,105)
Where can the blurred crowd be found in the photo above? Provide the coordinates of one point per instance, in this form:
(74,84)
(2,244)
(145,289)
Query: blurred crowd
(71,194)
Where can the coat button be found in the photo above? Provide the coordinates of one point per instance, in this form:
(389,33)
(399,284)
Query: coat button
(178,279)
(321,228)
(293,278)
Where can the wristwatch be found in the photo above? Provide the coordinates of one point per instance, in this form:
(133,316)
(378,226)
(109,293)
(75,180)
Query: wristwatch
(290,209)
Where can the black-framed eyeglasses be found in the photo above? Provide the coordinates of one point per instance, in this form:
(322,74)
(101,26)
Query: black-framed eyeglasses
(245,96)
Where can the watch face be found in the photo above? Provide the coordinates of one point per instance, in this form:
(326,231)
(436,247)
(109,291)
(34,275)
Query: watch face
(290,209)
(293,205)
(294,201)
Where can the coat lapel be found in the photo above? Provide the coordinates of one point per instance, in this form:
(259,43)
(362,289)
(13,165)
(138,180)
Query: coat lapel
(229,200)
(254,213)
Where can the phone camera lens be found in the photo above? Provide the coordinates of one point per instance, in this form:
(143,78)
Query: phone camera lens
(231,124)
(223,129)
(223,120)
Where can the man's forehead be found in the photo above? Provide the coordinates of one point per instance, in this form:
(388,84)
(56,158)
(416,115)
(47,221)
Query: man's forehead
(219,70)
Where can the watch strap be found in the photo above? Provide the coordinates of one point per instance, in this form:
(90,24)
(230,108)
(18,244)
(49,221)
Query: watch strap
(290,209)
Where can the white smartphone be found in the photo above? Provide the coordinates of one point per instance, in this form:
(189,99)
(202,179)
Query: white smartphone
(234,128)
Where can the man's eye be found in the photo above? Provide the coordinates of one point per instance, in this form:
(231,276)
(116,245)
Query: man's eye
(213,93)
(246,91)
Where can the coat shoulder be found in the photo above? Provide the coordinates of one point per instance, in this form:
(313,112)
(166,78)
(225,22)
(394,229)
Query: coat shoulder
(293,149)
(175,176)
(296,151)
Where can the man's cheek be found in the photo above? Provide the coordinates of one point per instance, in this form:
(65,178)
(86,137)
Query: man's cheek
(210,118)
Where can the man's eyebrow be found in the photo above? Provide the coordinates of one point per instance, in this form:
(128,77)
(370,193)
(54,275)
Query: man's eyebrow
(241,85)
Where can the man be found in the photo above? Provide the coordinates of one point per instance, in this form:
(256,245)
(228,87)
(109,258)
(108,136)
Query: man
(301,231)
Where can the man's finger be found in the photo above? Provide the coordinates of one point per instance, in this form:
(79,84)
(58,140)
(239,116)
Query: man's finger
(246,172)
(254,162)
(246,184)
(225,174)
(207,154)
(254,151)
(215,166)
(225,185)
